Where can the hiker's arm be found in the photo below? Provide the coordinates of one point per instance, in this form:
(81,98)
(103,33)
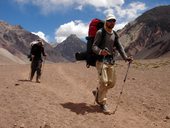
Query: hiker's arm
(33,50)
(96,43)
(42,50)
(32,53)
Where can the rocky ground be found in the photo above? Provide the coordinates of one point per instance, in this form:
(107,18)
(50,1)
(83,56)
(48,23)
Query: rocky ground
(63,99)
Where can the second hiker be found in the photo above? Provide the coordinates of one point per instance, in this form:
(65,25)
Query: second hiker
(37,50)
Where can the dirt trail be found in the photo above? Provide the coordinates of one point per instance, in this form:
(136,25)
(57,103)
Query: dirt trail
(63,99)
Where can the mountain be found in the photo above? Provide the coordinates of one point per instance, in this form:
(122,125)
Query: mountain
(70,46)
(16,41)
(149,35)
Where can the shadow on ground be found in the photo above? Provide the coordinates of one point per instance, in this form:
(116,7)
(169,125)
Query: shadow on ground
(24,80)
(81,108)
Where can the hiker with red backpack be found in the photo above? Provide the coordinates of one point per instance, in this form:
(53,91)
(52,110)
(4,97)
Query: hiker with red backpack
(105,42)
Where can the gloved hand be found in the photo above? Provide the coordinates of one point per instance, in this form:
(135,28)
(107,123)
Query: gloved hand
(104,52)
(129,59)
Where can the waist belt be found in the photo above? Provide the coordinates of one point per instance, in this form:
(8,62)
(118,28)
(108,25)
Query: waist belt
(107,60)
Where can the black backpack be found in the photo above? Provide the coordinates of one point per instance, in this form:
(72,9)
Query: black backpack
(29,56)
(89,56)
(92,57)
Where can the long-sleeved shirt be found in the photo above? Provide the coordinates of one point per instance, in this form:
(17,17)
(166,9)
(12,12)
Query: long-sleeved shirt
(109,42)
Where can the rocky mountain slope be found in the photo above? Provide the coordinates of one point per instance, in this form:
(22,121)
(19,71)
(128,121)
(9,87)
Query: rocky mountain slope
(149,35)
(64,97)
(70,46)
(16,40)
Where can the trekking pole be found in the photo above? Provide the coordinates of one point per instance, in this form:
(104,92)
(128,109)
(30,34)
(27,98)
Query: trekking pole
(43,66)
(122,89)
(127,72)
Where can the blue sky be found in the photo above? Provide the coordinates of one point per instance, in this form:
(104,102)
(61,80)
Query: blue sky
(54,20)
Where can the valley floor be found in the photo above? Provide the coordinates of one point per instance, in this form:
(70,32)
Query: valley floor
(63,99)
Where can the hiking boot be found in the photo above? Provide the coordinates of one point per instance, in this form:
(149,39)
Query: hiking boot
(105,109)
(38,81)
(95,93)
(31,78)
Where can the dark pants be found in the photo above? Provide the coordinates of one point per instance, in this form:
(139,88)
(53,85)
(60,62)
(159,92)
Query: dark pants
(36,67)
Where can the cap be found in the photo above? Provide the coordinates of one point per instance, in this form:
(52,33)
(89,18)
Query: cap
(40,41)
(110,16)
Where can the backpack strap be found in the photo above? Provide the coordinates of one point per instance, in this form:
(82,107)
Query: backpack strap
(104,35)
(116,35)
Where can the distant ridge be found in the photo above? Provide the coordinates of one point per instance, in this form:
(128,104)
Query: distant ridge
(17,41)
(149,35)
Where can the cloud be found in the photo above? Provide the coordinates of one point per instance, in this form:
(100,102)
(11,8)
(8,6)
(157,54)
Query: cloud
(124,13)
(48,6)
(106,6)
(41,35)
(117,7)
(127,13)
(78,28)
(103,3)
(22,1)
(120,26)
(73,27)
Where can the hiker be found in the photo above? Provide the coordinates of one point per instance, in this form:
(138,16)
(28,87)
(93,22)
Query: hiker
(105,49)
(37,48)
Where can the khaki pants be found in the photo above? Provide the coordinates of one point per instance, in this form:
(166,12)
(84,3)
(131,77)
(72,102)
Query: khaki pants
(107,80)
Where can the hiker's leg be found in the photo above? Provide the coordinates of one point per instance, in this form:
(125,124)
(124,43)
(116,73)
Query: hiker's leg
(39,65)
(102,91)
(103,82)
(111,76)
(33,69)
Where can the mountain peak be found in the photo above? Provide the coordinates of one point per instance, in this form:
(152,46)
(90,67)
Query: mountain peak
(158,16)
(72,37)
(148,35)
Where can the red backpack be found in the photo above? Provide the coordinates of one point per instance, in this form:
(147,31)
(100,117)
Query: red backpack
(89,55)
(94,26)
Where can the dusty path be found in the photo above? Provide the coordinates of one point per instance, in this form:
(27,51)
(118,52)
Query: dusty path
(64,100)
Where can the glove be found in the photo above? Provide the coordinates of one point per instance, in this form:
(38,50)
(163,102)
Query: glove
(104,52)
(129,59)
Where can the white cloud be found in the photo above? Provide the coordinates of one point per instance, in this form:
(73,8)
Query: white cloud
(131,11)
(73,27)
(107,6)
(124,13)
(120,26)
(22,1)
(48,6)
(41,35)
(78,28)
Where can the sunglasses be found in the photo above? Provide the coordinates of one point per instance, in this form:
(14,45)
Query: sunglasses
(111,20)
